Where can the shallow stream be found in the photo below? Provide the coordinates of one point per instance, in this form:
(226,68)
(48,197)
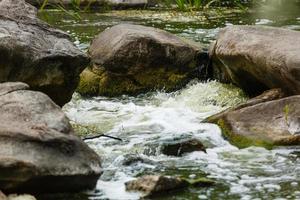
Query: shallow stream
(149,120)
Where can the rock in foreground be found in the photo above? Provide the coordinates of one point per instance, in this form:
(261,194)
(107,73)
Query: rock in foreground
(157,185)
(130,59)
(152,185)
(33,52)
(257,58)
(38,150)
(264,123)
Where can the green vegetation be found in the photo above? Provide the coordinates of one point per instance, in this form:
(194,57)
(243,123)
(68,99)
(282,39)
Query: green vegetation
(189,5)
(76,5)
(73,9)
(240,140)
(181,5)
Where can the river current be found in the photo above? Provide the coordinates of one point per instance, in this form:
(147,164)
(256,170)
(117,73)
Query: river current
(146,121)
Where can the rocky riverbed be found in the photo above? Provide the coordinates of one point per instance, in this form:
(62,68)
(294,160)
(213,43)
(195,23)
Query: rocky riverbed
(161,140)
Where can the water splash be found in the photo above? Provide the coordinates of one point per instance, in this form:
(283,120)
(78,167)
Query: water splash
(146,121)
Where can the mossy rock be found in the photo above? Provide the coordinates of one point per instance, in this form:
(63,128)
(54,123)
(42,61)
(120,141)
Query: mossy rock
(265,124)
(111,84)
(132,59)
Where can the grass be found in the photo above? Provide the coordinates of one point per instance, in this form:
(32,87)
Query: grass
(77,6)
(190,5)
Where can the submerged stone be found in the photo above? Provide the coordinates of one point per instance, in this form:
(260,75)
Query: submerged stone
(257,58)
(152,185)
(176,146)
(158,185)
(33,52)
(39,151)
(130,59)
(131,159)
(180,147)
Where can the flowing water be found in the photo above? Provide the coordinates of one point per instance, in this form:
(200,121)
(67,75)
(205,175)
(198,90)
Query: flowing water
(147,121)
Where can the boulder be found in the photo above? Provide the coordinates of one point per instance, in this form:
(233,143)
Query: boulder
(265,122)
(130,59)
(33,52)
(257,58)
(39,151)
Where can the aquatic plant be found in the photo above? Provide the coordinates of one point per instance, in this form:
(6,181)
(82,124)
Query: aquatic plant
(73,9)
(75,5)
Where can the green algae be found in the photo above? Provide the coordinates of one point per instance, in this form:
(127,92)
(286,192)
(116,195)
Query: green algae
(111,84)
(240,140)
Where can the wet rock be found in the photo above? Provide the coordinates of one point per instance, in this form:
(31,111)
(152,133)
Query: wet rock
(265,123)
(180,147)
(131,159)
(152,185)
(175,146)
(257,58)
(269,95)
(130,59)
(158,185)
(33,52)
(39,151)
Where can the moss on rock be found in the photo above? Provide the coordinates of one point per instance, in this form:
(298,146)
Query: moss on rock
(112,84)
(239,140)
(89,83)
(134,59)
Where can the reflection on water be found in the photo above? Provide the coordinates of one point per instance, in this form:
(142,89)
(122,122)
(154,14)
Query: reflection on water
(198,26)
(146,121)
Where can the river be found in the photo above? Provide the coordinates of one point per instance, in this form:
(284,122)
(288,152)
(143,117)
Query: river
(146,121)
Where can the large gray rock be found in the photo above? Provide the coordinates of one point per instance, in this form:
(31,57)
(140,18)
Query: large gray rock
(257,58)
(268,120)
(130,59)
(39,151)
(34,53)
